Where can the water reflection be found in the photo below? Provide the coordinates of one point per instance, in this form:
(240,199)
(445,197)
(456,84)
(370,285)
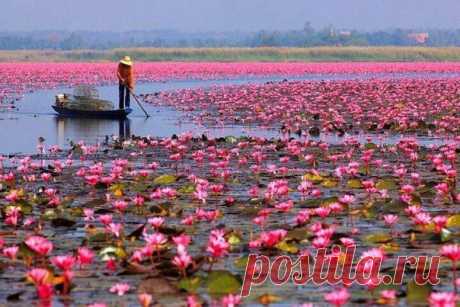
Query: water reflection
(124,128)
(90,130)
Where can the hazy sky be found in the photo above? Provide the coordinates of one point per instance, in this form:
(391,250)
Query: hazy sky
(219,15)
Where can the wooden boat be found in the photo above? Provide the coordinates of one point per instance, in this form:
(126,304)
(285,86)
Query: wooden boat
(84,106)
(115,114)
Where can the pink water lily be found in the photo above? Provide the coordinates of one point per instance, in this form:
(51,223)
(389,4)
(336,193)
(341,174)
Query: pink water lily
(40,245)
(120,289)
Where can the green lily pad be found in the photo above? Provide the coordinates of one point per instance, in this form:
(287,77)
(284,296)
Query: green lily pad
(354,184)
(287,247)
(49,214)
(313,178)
(453,221)
(165,179)
(370,146)
(190,284)
(26,207)
(223,282)
(186,189)
(241,262)
(298,234)
(233,239)
(386,184)
(330,183)
(377,238)
(418,293)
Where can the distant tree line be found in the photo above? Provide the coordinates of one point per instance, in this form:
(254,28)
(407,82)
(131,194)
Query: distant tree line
(306,37)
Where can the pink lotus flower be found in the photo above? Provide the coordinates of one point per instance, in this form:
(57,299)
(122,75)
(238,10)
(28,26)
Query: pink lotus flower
(156,222)
(337,297)
(182,260)
(45,292)
(451,251)
(442,299)
(11,252)
(12,216)
(192,301)
(46,177)
(321,242)
(115,229)
(120,289)
(120,205)
(217,244)
(39,245)
(388,296)
(38,276)
(271,238)
(231,300)
(440,222)
(64,263)
(105,219)
(182,239)
(390,219)
(89,214)
(347,199)
(85,256)
(347,242)
(12,196)
(156,239)
(138,201)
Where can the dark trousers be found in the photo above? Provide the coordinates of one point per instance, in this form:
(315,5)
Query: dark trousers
(124,101)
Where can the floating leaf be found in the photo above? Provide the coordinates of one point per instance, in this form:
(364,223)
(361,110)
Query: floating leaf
(140,187)
(418,293)
(117,189)
(233,239)
(287,247)
(241,262)
(330,183)
(391,247)
(112,251)
(165,179)
(378,238)
(157,286)
(49,214)
(187,189)
(298,234)
(313,177)
(190,284)
(354,184)
(223,282)
(370,146)
(453,221)
(62,222)
(386,184)
(98,236)
(231,139)
(446,235)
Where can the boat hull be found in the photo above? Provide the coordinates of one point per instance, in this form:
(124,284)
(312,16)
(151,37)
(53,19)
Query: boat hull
(92,114)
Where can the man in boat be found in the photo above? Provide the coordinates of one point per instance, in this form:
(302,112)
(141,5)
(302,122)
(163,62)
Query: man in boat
(125,80)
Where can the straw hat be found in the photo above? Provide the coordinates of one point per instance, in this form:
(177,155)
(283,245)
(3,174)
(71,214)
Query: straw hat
(126,61)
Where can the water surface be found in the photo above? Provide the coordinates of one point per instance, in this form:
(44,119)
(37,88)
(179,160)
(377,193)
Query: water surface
(35,118)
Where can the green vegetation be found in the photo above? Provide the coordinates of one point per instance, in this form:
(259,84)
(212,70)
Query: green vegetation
(313,54)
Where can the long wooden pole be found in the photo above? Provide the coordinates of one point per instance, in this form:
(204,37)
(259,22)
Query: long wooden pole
(139,103)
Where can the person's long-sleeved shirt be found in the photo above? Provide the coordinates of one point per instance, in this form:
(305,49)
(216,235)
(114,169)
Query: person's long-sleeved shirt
(126,73)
